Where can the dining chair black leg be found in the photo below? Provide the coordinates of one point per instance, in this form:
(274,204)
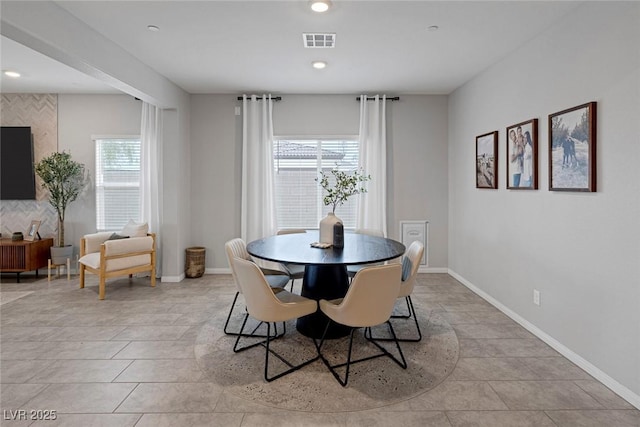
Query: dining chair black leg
(252,334)
(402,362)
(233,304)
(415,318)
(331,368)
(404,316)
(412,313)
(292,367)
(268,336)
(384,352)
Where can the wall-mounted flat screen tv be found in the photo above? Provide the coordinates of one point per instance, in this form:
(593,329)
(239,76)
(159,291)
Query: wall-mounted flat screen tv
(17,179)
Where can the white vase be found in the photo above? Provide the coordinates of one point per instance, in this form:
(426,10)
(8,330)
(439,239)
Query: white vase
(326,227)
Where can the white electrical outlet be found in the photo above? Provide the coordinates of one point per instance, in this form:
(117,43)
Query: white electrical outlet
(536,297)
(237,111)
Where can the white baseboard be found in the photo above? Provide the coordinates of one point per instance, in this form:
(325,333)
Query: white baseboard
(423,269)
(592,370)
(225,270)
(172,279)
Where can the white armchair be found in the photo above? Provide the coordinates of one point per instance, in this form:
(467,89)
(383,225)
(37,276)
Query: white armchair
(110,258)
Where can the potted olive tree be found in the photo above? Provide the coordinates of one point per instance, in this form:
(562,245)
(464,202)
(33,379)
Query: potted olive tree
(63,179)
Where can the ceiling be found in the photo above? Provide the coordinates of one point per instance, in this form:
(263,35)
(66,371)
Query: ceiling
(248,46)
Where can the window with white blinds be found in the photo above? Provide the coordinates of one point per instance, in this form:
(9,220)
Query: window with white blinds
(117,182)
(297,164)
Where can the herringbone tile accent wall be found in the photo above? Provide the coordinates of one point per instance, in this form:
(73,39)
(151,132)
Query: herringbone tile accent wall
(16,215)
(40,111)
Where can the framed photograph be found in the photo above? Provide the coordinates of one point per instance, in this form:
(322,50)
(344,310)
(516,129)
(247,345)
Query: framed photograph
(32,231)
(522,156)
(572,149)
(487,160)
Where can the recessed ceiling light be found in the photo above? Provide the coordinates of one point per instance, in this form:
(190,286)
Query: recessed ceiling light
(320,5)
(153,28)
(13,74)
(319,65)
(433,28)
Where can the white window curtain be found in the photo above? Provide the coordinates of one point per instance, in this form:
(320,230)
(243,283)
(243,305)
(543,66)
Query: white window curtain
(258,210)
(151,174)
(372,205)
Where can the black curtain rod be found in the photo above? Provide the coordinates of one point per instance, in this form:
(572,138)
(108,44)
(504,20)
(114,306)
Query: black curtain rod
(273,98)
(372,98)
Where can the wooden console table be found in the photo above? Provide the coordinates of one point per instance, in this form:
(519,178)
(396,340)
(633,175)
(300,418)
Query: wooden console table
(18,257)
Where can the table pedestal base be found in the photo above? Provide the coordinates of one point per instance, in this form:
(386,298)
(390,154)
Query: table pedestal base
(323,282)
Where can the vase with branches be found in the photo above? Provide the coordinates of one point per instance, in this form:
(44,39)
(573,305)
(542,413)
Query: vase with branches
(64,179)
(338,186)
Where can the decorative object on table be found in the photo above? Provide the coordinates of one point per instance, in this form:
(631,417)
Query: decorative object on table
(338,186)
(64,179)
(572,149)
(522,156)
(487,160)
(17,236)
(194,262)
(32,231)
(338,235)
(320,245)
(326,228)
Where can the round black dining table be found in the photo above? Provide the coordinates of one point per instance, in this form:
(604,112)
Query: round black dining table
(325,275)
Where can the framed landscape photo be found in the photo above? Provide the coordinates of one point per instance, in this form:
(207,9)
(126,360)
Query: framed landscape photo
(572,149)
(522,156)
(487,160)
(32,231)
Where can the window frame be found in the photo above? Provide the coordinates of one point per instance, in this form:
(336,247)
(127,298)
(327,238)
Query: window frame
(95,139)
(318,138)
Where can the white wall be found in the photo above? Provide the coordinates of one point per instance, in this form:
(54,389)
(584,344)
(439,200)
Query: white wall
(581,250)
(80,117)
(417,139)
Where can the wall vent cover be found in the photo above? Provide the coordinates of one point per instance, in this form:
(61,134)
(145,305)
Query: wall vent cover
(319,40)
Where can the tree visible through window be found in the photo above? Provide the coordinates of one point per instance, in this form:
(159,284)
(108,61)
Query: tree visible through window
(117,182)
(297,164)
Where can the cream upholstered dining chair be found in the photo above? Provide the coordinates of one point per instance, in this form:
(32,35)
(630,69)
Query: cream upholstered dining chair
(107,257)
(353,269)
(236,248)
(410,265)
(295,271)
(267,306)
(369,302)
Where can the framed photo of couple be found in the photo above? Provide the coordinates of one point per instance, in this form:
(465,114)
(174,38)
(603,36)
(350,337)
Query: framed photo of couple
(522,156)
(572,149)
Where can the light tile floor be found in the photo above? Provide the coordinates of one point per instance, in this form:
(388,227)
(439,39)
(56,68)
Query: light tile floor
(129,361)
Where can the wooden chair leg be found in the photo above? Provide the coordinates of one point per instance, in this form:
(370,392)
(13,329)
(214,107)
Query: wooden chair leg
(49,271)
(153,278)
(102,287)
(81,276)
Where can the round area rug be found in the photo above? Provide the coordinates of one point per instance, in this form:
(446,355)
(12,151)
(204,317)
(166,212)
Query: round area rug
(374,383)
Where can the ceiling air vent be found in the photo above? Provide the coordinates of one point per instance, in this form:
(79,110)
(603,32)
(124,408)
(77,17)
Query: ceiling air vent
(319,40)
